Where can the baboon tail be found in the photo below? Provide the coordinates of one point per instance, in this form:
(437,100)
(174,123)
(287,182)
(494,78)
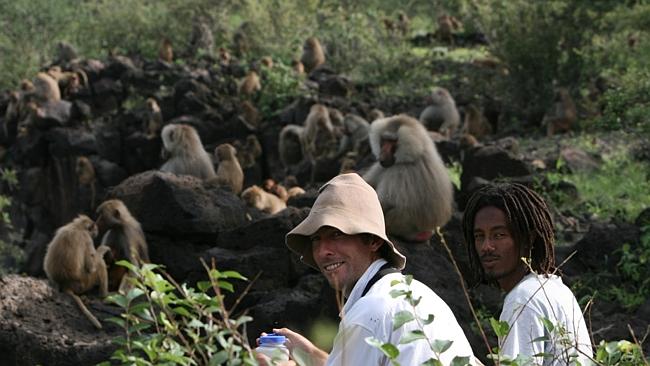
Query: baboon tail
(84,309)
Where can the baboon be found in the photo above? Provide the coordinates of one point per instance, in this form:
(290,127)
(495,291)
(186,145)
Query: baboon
(250,84)
(202,39)
(165,51)
(476,123)
(563,115)
(65,53)
(267,61)
(125,238)
(355,130)
(290,145)
(248,152)
(69,81)
(271,186)
(389,24)
(250,114)
(337,121)
(447,25)
(298,67)
(229,172)
(73,264)
(46,88)
(441,115)
(375,114)
(403,23)
(153,119)
(319,138)
(349,163)
(294,191)
(312,54)
(256,197)
(224,56)
(186,154)
(410,178)
(86,176)
(466,143)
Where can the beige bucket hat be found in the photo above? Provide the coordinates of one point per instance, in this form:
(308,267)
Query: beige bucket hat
(350,205)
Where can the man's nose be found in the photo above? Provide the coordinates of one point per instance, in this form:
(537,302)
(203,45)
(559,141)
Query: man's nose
(323,248)
(486,246)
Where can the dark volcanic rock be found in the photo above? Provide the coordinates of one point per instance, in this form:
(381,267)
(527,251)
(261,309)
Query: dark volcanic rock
(179,205)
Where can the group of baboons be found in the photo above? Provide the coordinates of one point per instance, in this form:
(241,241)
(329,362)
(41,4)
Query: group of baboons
(409,176)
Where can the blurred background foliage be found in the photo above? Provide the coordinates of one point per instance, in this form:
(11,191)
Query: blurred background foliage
(579,44)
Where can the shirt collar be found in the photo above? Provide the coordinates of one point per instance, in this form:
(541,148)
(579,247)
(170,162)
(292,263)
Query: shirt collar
(358,288)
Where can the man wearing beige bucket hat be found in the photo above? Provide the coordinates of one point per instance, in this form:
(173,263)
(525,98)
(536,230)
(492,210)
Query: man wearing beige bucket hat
(344,237)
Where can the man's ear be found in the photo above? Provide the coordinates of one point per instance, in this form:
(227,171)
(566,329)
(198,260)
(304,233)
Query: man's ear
(376,243)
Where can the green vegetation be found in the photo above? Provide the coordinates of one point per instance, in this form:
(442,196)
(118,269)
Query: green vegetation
(170,324)
(11,256)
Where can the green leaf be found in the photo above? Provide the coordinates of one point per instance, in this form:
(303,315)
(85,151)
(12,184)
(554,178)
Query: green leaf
(233,274)
(432,362)
(415,302)
(398,293)
(386,348)
(127,264)
(204,285)
(182,311)
(540,339)
(547,324)
(119,321)
(119,300)
(460,361)
(412,336)
(218,358)
(440,346)
(428,320)
(134,293)
(226,286)
(501,328)
(395,282)
(402,318)
(408,279)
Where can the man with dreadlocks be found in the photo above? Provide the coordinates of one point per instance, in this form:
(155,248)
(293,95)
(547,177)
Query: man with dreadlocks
(509,235)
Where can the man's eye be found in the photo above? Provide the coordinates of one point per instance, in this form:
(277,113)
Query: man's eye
(478,237)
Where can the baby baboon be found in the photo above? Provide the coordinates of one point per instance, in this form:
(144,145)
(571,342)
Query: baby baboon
(153,119)
(375,114)
(403,23)
(186,154)
(125,238)
(441,115)
(250,114)
(65,53)
(86,176)
(290,145)
(255,196)
(229,172)
(563,115)
(267,61)
(294,191)
(319,139)
(337,121)
(165,51)
(248,152)
(46,88)
(224,56)
(476,123)
(298,67)
(271,186)
(250,84)
(410,179)
(355,130)
(74,265)
(447,25)
(312,54)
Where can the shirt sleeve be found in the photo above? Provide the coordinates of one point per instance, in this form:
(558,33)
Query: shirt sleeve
(525,326)
(350,348)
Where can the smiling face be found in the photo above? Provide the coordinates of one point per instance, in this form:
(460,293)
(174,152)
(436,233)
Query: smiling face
(496,248)
(343,258)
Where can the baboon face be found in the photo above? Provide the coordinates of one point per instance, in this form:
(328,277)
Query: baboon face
(387,154)
(85,223)
(225,152)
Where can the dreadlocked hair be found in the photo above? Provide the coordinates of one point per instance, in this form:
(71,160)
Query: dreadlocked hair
(528,219)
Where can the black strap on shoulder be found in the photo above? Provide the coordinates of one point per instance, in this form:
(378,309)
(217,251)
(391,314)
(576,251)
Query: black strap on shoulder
(384,270)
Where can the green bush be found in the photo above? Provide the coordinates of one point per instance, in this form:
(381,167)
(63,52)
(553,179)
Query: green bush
(166,323)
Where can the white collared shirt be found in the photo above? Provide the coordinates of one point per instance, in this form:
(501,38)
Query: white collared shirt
(373,314)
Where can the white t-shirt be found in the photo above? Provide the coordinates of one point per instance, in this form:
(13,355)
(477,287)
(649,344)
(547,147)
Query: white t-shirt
(536,297)
(372,316)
